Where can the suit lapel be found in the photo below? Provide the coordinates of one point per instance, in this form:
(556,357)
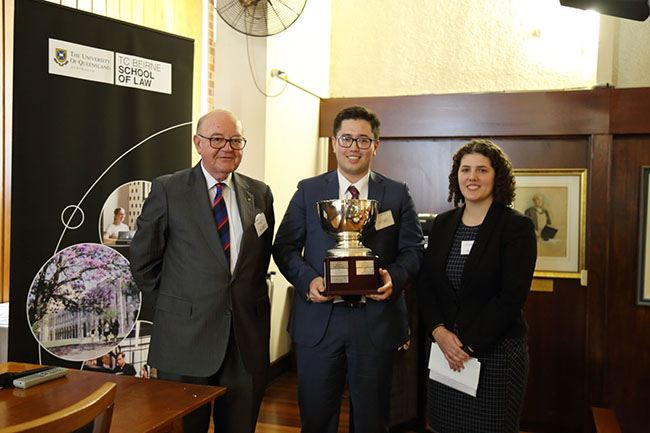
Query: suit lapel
(245,201)
(201,211)
(331,191)
(246,206)
(376,191)
(481,243)
(446,238)
(376,188)
(444,243)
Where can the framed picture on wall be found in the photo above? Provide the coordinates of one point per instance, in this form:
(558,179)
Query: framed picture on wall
(555,199)
(644,243)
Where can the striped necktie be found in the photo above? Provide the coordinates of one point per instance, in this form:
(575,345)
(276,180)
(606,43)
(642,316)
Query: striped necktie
(354,192)
(221,218)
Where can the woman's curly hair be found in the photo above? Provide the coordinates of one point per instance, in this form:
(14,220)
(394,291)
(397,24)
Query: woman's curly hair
(504,179)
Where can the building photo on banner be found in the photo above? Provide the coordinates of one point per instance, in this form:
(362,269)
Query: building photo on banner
(555,199)
(83,302)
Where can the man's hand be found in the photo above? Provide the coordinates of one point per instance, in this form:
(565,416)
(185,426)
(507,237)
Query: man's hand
(386,290)
(316,287)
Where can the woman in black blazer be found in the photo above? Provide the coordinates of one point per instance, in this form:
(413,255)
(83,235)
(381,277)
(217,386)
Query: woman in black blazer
(474,281)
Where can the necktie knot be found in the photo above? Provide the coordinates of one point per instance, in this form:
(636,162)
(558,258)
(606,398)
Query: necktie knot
(354,192)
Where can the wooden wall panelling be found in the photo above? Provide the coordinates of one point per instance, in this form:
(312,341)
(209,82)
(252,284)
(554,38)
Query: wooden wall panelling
(423,164)
(546,152)
(598,211)
(627,386)
(555,396)
(404,408)
(581,112)
(629,111)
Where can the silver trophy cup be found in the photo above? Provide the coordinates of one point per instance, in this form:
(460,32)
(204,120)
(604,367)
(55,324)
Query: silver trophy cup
(350,267)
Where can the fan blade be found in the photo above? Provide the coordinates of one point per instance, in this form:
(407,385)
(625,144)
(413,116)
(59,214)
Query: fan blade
(277,15)
(231,12)
(262,17)
(287,6)
(228,6)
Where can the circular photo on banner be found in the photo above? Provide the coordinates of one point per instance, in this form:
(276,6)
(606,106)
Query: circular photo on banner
(129,357)
(117,221)
(83,302)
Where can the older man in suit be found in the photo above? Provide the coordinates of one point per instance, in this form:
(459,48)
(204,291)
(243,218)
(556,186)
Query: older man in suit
(203,247)
(354,339)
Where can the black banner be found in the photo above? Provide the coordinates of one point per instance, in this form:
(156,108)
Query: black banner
(100,108)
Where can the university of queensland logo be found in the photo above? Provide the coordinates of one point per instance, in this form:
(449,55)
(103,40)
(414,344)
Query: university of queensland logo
(61,56)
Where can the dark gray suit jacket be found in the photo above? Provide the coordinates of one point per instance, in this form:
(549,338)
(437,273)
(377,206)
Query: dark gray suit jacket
(301,245)
(177,254)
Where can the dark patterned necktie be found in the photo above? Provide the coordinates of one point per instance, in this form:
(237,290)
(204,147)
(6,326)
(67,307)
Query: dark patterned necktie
(354,192)
(221,218)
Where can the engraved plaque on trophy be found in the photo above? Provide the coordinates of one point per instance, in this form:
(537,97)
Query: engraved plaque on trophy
(350,267)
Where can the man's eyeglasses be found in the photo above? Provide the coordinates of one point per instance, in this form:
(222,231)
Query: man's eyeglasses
(346,141)
(217,143)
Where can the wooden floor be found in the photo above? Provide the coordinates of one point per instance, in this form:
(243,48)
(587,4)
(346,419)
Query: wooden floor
(279,411)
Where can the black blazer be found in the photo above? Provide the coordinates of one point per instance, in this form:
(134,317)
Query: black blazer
(496,279)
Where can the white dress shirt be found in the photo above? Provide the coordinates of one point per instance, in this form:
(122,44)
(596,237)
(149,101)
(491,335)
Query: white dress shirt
(361,185)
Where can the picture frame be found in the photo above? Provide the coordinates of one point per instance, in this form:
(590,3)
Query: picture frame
(556,201)
(643,290)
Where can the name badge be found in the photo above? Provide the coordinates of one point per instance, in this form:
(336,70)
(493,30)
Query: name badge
(465,247)
(384,219)
(260,224)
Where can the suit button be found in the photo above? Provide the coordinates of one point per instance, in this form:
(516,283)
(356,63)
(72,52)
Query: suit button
(228,313)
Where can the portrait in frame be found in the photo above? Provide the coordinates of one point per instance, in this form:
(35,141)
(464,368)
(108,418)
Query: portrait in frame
(555,199)
(643,297)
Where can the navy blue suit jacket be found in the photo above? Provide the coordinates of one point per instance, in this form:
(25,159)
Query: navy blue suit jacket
(301,245)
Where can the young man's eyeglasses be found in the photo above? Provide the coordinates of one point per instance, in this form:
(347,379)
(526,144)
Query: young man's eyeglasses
(236,143)
(347,141)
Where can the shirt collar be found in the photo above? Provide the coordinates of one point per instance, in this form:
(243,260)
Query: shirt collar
(211,181)
(361,184)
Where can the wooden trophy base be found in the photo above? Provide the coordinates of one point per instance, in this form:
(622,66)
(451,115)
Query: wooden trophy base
(351,276)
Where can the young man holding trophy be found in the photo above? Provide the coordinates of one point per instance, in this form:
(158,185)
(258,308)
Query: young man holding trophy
(350,242)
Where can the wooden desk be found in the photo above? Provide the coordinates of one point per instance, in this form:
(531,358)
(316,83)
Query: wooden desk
(141,405)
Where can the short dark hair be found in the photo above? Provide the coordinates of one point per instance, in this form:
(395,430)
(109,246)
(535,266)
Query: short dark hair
(357,112)
(504,178)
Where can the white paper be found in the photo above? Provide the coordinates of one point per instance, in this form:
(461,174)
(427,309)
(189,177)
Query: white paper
(465,380)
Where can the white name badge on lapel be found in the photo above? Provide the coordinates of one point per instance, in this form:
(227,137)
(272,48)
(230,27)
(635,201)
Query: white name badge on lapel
(260,224)
(384,219)
(465,247)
